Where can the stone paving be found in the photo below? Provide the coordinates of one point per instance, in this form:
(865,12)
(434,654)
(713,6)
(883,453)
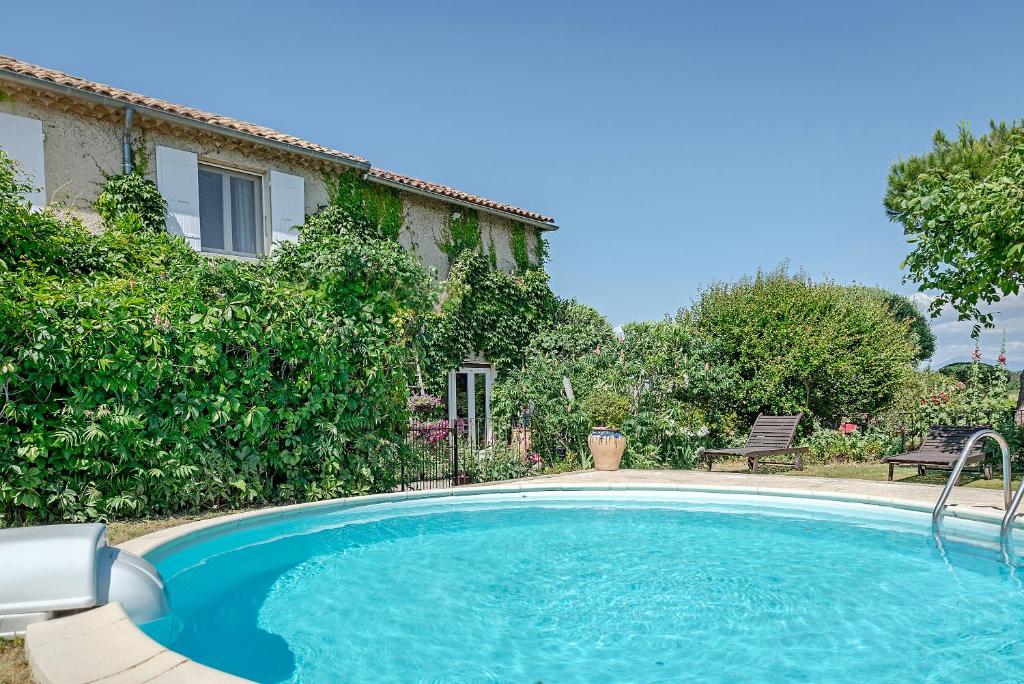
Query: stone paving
(982,501)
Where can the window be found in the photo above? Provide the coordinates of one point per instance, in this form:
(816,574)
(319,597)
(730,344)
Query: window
(230,212)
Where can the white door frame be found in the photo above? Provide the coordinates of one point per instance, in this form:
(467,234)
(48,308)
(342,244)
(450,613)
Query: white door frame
(471,373)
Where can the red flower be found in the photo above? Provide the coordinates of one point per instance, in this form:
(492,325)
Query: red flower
(847,428)
(1002,358)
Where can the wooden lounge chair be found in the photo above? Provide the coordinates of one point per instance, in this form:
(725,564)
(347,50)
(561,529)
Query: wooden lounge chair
(770,436)
(941,448)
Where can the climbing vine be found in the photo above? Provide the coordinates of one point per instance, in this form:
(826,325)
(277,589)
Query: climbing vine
(131,198)
(485,310)
(520,251)
(379,204)
(461,233)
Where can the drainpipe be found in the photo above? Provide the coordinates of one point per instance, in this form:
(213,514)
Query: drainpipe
(129,115)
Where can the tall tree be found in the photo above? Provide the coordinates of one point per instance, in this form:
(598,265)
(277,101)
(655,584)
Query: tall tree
(790,345)
(905,310)
(962,209)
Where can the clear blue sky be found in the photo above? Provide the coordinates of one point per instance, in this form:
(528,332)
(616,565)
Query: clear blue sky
(675,143)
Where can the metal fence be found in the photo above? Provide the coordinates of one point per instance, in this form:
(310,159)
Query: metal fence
(431,458)
(441,454)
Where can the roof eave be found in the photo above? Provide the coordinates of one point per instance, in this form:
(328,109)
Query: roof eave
(542,225)
(152,112)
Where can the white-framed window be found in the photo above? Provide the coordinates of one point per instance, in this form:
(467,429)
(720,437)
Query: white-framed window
(230,212)
(220,210)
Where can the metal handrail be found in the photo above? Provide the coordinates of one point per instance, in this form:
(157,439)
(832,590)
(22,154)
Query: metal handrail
(954,477)
(1011,509)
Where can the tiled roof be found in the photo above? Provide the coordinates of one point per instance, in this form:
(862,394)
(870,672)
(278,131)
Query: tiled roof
(9,64)
(452,193)
(38,73)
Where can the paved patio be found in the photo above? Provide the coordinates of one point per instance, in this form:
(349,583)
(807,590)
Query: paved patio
(982,501)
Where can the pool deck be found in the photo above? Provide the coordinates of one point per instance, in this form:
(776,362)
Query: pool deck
(984,502)
(104,645)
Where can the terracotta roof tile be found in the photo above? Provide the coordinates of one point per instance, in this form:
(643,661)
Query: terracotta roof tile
(15,66)
(457,194)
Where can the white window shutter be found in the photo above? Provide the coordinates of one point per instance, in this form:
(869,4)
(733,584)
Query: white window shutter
(287,205)
(21,139)
(177,177)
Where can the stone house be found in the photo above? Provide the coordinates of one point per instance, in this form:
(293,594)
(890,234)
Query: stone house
(233,189)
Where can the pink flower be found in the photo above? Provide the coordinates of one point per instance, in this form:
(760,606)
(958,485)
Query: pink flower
(847,428)
(976,355)
(1002,358)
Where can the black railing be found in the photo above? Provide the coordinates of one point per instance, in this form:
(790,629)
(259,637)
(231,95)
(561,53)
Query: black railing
(431,458)
(443,454)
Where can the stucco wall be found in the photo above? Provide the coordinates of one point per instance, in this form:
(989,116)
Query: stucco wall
(425,228)
(83,145)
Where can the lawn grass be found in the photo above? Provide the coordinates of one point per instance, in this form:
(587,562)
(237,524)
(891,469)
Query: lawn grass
(874,471)
(13,664)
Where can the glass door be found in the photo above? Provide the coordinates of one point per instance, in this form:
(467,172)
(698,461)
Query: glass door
(469,403)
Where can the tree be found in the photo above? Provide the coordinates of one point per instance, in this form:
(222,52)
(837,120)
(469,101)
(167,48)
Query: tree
(576,342)
(786,344)
(962,208)
(904,309)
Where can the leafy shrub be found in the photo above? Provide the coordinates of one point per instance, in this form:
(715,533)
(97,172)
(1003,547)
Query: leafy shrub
(141,378)
(829,446)
(675,386)
(577,345)
(485,311)
(499,462)
(606,408)
(790,345)
(131,194)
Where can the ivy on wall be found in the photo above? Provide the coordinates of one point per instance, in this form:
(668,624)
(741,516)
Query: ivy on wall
(461,233)
(520,251)
(484,310)
(379,204)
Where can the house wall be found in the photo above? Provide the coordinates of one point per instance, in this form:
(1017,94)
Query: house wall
(82,146)
(425,229)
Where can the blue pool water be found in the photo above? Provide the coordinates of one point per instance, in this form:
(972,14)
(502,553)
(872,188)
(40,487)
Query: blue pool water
(595,588)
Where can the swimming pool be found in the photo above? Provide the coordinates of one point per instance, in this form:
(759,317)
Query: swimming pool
(594,587)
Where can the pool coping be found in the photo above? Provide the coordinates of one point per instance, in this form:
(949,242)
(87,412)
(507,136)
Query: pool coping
(103,644)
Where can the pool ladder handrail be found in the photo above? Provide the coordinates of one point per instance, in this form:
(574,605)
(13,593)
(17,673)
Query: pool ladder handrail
(1011,505)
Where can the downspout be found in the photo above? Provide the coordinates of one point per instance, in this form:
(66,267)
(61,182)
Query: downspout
(129,116)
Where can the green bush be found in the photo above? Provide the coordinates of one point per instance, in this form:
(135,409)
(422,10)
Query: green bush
(131,194)
(606,408)
(141,378)
(578,344)
(830,446)
(790,345)
(498,462)
(484,311)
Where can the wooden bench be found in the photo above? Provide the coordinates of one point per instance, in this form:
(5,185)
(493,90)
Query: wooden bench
(940,450)
(770,436)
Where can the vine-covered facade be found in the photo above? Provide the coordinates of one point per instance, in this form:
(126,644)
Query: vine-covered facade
(232,188)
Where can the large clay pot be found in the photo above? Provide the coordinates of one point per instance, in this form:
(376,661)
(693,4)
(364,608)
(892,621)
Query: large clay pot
(606,446)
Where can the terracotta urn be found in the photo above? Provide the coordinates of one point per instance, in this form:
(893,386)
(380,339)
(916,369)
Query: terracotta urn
(606,446)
